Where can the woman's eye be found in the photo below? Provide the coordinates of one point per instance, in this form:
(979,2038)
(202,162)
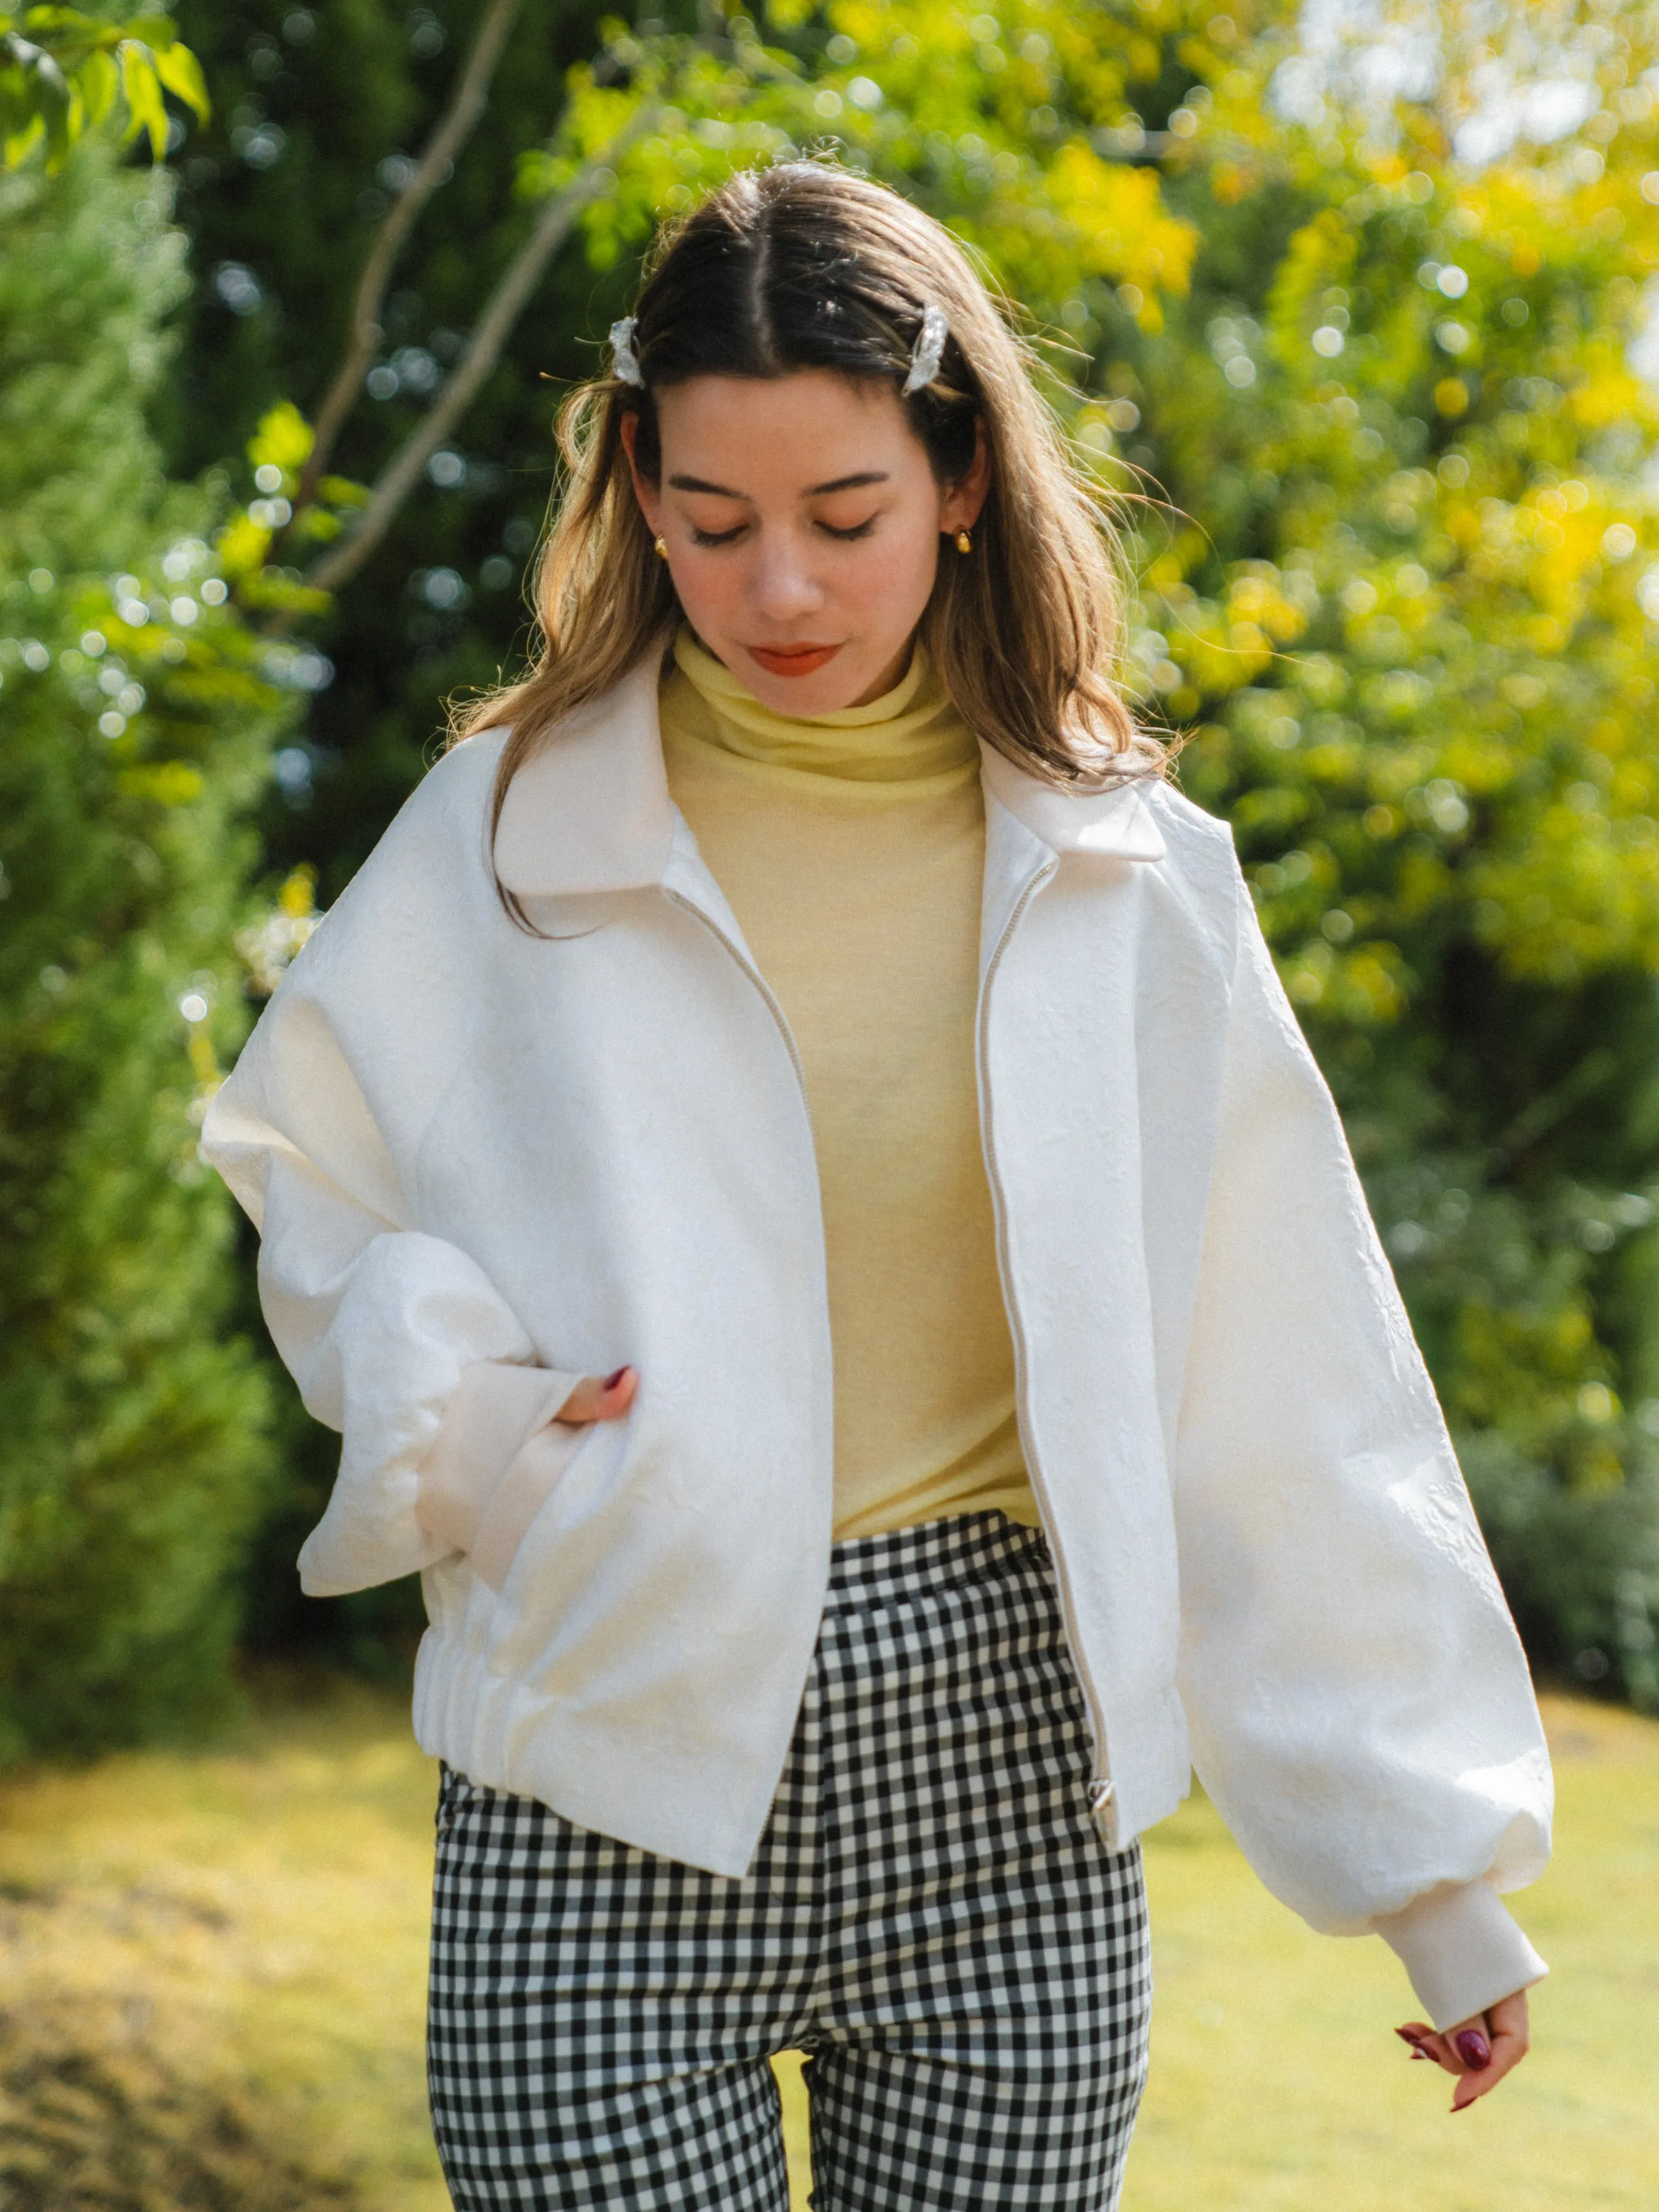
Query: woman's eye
(731,536)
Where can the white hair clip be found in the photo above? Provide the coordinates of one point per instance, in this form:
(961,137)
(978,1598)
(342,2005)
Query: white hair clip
(929,350)
(624,361)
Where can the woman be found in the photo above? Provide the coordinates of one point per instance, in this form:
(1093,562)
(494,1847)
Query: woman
(792,1170)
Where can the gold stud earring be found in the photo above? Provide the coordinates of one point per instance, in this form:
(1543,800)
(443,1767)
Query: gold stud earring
(661,546)
(964,542)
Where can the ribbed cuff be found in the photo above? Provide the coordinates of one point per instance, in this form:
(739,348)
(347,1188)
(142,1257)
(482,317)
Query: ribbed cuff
(496,1409)
(1461,1950)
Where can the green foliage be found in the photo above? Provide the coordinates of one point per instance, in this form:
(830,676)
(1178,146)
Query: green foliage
(285,185)
(136,721)
(61,72)
(896,88)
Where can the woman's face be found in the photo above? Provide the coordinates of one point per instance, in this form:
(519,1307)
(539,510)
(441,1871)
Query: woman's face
(802,522)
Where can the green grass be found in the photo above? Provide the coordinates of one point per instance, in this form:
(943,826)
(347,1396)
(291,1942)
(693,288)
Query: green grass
(212,1967)
(232,1942)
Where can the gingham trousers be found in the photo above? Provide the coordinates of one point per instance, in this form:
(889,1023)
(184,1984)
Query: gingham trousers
(931,1916)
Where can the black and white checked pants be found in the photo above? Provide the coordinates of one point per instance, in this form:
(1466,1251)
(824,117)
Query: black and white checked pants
(931,1916)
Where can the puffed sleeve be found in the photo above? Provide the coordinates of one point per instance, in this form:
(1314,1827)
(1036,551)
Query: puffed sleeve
(1361,1710)
(379,1323)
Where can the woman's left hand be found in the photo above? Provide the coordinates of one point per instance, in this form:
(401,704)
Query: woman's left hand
(1479,2051)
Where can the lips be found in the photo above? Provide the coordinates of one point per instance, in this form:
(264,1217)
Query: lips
(791,659)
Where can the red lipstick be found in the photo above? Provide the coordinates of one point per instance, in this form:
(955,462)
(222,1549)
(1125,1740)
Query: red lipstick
(791,659)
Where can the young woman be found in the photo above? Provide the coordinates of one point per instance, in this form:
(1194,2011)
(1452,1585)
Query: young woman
(792,1170)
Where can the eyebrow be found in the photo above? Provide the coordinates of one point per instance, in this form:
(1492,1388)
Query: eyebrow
(813,492)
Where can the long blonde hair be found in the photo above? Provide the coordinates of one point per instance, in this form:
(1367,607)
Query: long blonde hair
(806,265)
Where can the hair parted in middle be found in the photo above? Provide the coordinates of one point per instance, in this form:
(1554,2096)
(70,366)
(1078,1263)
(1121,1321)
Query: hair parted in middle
(800,266)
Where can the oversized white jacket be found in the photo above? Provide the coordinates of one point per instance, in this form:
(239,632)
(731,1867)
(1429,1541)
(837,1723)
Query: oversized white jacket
(484,1162)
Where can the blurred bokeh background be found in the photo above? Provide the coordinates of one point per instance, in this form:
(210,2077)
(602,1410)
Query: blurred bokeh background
(1352,305)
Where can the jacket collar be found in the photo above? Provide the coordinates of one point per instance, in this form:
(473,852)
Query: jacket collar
(591,810)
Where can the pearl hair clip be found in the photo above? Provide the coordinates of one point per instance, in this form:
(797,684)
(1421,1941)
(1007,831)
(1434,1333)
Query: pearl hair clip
(925,356)
(929,350)
(624,361)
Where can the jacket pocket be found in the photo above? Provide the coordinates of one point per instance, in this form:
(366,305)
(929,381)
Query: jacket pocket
(520,1496)
(497,1408)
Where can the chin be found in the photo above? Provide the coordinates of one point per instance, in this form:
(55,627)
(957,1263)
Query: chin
(805,695)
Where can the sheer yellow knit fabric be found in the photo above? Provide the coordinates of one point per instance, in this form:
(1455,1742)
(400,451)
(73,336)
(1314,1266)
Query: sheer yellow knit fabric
(851,848)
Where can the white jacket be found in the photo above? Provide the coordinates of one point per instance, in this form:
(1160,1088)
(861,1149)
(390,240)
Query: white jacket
(484,1162)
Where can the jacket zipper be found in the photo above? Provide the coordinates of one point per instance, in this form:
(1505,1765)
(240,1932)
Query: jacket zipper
(1102,1794)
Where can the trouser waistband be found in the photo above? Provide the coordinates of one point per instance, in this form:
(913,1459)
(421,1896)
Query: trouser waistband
(902,1563)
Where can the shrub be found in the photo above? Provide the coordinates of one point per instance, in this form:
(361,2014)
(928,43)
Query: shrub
(133,1454)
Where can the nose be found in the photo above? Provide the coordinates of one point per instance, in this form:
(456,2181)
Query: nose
(783,586)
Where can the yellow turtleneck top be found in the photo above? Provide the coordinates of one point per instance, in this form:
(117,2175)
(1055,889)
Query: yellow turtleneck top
(851,848)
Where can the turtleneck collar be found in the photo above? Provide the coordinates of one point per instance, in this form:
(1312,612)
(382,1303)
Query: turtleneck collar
(911,735)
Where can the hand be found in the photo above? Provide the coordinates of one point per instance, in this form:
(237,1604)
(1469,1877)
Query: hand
(594,1399)
(1479,2051)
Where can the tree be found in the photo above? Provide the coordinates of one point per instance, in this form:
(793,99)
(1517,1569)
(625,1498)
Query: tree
(138,718)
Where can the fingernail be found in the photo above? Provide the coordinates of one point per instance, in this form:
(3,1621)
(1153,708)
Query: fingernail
(1406,2036)
(611,1381)
(1473,2049)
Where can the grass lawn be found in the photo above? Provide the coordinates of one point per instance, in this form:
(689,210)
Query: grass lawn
(212,1972)
(212,1967)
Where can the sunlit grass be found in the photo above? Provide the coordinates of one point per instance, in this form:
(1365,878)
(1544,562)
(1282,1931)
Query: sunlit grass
(1278,2085)
(239,1936)
(213,1967)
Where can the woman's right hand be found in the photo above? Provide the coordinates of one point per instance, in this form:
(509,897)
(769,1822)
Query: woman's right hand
(601,1398)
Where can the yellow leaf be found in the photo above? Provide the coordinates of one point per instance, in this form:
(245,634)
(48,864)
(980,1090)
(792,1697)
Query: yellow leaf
(1118,214)
(241,547)
(170,783)
(297,897)
(181,73)
(204,1060)
(283,439)
(143,88)
(98,81)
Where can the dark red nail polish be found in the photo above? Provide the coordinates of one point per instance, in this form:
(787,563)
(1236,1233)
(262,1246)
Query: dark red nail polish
(611,1381)
(1474,2050)
(1406,2036)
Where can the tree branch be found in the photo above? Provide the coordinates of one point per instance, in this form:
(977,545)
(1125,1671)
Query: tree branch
(455,126)
(483,350)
